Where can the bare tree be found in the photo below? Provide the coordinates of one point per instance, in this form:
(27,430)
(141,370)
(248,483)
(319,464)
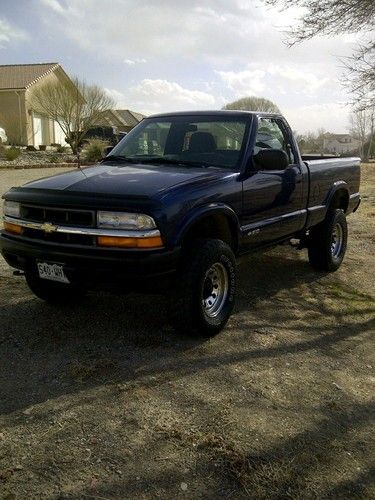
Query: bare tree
(361,76)
(362,127)
(74,107)
(332,17)
(312,142)
(253,103)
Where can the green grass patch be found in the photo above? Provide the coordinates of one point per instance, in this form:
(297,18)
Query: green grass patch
(350,294)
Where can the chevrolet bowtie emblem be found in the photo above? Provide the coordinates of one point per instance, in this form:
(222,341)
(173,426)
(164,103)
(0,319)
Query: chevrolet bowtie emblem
(47,227)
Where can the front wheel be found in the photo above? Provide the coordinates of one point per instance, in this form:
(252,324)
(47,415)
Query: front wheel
(328,241)
(53,292)
(206,289)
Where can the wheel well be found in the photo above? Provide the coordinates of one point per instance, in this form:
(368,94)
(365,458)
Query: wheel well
(217,226)
(340,200)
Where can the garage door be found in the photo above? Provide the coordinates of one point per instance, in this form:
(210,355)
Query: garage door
(59,134)
(38,132)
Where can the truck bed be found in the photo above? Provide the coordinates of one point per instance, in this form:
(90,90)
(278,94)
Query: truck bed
(321,172)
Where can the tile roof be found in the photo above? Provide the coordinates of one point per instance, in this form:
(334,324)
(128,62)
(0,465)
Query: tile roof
(21,76)
(130,118)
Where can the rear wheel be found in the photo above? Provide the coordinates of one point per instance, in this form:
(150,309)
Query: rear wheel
(53,292)
(328,242)
(206,289)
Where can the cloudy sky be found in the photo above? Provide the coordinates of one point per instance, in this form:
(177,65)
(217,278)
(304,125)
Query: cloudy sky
(165,55)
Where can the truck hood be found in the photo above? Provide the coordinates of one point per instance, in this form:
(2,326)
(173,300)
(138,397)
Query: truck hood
(145,181)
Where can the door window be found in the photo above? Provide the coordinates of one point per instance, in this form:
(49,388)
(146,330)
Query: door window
(272,135)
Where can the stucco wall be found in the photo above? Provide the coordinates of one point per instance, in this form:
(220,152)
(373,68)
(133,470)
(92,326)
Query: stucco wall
(13,116)
(17,116)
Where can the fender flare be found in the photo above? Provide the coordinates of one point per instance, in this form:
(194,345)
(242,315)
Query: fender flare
(199,213)
(337,186)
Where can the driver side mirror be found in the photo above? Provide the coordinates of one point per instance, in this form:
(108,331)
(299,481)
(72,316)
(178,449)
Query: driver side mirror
(271,159)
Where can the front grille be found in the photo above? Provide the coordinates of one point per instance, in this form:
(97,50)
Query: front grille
(69,217)
(62,216)
(64,238)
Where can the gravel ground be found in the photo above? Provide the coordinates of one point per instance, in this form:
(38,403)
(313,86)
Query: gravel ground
(103,400)
(29,159)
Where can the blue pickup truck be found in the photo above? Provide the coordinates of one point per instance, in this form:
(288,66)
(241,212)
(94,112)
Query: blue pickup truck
(173,205)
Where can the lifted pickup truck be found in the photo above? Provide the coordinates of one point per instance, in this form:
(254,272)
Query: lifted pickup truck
(173,205)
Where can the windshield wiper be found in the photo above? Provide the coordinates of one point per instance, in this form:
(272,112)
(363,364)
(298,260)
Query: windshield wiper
(118,158)
(174,161)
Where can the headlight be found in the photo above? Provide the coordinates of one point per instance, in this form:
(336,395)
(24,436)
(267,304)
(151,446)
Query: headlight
(12,209)
(124,220)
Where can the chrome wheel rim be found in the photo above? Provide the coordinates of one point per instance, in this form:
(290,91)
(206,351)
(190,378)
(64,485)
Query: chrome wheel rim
(337,241)
(215,289)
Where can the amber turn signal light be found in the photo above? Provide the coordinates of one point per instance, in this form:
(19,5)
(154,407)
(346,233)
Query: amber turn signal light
(122,242)
(12,228)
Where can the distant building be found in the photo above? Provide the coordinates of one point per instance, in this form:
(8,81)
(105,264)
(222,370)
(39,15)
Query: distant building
(340,143)
(21,123)
(123,119)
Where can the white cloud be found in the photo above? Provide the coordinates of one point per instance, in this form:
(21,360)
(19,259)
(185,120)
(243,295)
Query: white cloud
(244,82)
(333,117)
(221,30)
(54,5)
(162,88)
(214,48)
(282,78)
(131,62)
(117,96)
(154,96)
(10,33)
(298,75)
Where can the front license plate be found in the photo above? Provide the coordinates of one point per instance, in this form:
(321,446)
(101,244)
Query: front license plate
(54,272)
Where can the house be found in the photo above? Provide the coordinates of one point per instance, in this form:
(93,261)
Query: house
(340,143)
(123,119)
(130,118)
(21,123)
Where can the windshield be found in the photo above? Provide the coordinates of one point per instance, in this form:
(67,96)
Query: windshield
(187,140)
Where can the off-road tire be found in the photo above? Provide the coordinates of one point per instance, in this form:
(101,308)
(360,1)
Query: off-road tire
(324,254)
(53,292)
(205,264)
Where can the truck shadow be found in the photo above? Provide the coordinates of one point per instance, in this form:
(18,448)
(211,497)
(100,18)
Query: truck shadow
(48,351)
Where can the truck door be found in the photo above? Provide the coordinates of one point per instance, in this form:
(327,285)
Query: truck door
(272,199)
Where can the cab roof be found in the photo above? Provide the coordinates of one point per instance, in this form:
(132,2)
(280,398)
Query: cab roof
(221,112)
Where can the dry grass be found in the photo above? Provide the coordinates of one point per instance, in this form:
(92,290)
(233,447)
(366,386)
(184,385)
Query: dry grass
(104,401)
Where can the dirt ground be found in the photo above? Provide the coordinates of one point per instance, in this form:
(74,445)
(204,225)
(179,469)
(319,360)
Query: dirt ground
(104,401)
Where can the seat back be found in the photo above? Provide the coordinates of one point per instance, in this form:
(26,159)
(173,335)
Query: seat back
(202,142)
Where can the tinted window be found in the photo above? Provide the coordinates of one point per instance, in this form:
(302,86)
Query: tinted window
(210,142)
(271,134)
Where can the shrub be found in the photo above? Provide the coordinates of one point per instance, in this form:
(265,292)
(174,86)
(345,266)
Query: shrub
(12,153)
(94,150)
(61,149)
(54,159)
